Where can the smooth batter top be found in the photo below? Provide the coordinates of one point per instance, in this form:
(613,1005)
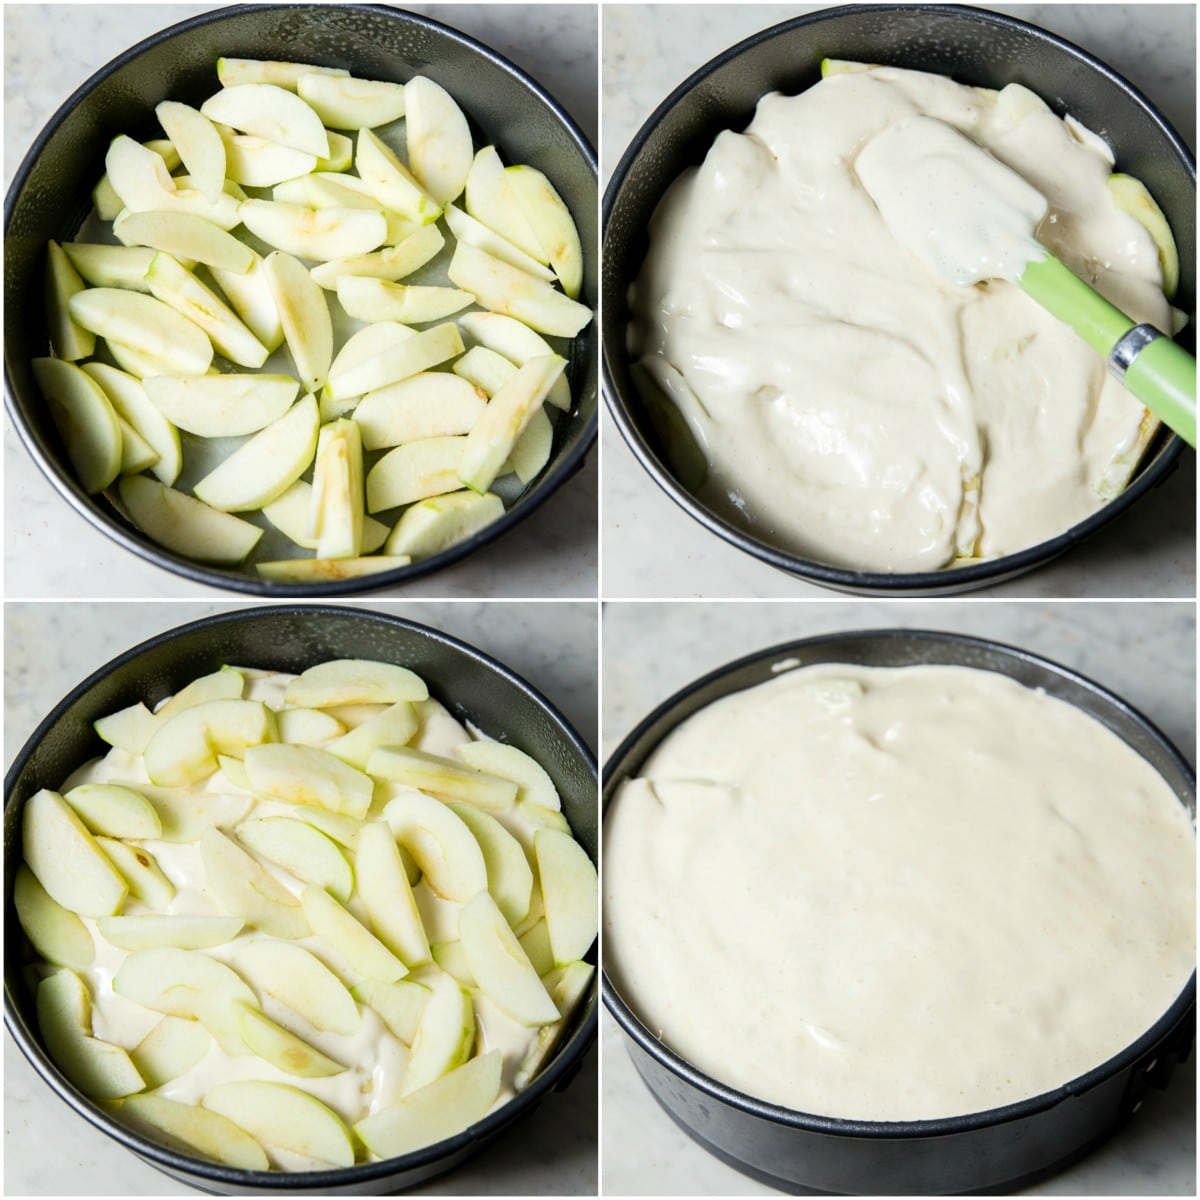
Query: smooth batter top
(896,894)
(854,406)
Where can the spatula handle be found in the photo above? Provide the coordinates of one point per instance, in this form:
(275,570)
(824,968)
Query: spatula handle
(1163,378)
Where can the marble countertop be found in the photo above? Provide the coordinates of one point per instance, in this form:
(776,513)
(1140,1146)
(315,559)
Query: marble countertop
(648,51)
(1145,653)
(52,48)
(47,1149)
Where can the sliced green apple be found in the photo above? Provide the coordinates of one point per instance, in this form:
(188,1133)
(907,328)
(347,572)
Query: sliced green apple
(56,933)
(301,850)
(343,681)
(439,522)
(535,941)
(498,758)
(343,102)
(569,891)
(185,748)
(147,325)
(443,847)
(231,405)
(551,223)
(304,314)
(136,453)
(391,263)
(269,111)
(114,811)
(391,182)
(255,162)
(451,957)
(68,340)
(567,986)
(233,71)
(187,812)
(306,775)
(516,342)
(443,777)
(414,471)
(129,729)
(316,233)
(324,189)
(251,296)
(323,570)
(173,1047)
(532,450)
(195,1130)
(199,145)
(365,953)
(344,830)
(337,495)
(444,1037)
(467,229)
(146,932)
(395,726)
(140,870)
(244,889)
(427,405)
(502,288)
(282,1048)
(308,727)
(385,892)
(111,266)
(402,358)
(366,298)
(440,151)
(278,1114)
(226,683)
(490,199)
(137,175)
(400,1004)
(183,235)
(66,860)
(85,419)
(185,525)
(509,876)
(301,981)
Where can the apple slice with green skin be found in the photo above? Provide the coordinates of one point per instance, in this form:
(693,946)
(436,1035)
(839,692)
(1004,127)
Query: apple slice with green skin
(278,1114)
(128,398)
(147,932)
(137,175)
(290,514)
(304,313)
(244,889)
(85,419)
(183,235)
(402,358)
(115,811)
(66,860)
(484,368)
(136,453)
(342,681)
(106,201)
(440,151)
(444,1037)
(535,941)
(502,288)
(400,1004)
(320,233)
(426,405)
(222,405)
(467,229)
(453,960)
(510,878)
(227,683)
(498,758)
(308,727)
(282,1048)
(391,263)
(366,298)
(508,413)
(186,983)
(269,111)
(187,526)
(342,829)
(567,986)
(437,1111)
(551,222)
(68,340)
(516,342)
(354,942)
(391,182)
(322,570)
(263,468)
(195,1130)
(443,847)
(234,71)
(343,102)
(490,199)
(199,145)
(301,981)
(171,1048)
(1130,195)
(532,449)
(324,189)
(187,812)
(341,154)
(251,297)
(367,344)
(99,1069)
(147,325)
(500,964)
(414,471)
(111,266)
(306,775)
(395,726)
(257,163)
(141,872)
(185,748)
(336,517)
(56,933)
(439,522)
(178,287)
(569,891)
(385,892)
(129,729)
(234,770)
(302,851)
(442,777)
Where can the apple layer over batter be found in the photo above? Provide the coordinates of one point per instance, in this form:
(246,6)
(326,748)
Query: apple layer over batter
(852,406)
(897,894)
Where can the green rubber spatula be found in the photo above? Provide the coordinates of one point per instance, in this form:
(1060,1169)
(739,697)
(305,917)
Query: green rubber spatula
(972,218)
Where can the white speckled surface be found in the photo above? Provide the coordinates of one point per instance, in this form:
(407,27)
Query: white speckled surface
(648,51)
(48,1150)
(49,50)
(1145,653)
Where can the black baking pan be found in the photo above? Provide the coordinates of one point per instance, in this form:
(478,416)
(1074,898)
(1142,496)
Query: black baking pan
(993,1152)
(473,686)
(51,195)
(972,45)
